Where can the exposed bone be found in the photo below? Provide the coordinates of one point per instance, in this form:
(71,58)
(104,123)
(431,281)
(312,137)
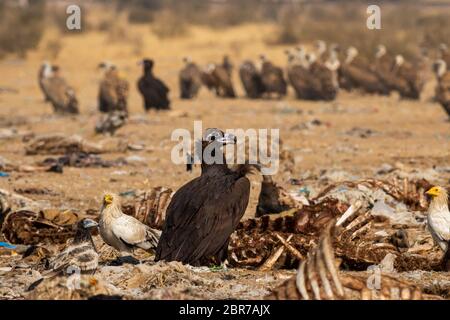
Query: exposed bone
(300,281)
(290,248)
(354,208)
(326,249)
(268,264)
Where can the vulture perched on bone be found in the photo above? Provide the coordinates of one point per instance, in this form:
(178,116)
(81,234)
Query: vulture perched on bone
(251,80)
(153,90)
(59,93)
(113,91)
(217,79)
(272,78)
(443,85)
(205,211)
(354,73)
(189,79)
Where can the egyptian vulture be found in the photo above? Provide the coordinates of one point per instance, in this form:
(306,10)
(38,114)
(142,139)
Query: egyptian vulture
(123,232)
(438,219)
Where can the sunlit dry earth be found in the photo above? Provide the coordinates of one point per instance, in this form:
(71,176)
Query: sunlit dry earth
(354,135)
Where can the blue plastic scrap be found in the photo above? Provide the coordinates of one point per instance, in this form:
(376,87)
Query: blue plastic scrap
(7,245)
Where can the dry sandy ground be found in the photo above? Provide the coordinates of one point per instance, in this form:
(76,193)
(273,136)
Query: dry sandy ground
(411,134)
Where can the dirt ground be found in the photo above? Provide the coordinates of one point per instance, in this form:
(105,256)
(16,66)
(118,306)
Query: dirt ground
(354,136)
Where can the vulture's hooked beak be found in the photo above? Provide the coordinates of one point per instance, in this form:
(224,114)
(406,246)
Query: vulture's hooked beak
(433,192)
(228,138)
(89,223)
(107,199)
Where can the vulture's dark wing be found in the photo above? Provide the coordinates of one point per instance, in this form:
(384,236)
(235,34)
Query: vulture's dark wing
(201,217)
(162,88)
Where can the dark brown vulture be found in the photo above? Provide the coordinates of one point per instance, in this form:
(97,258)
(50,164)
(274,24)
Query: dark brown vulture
(190,80)
(251,80)
(443,86)
(206,211)
(298,74)
(356,74)
(153,90)
(272,78)
(217,79)
(409,80)
(274,199)
(59,93)
(113,91)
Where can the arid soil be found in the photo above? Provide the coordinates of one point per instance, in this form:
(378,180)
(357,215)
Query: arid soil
(347,139)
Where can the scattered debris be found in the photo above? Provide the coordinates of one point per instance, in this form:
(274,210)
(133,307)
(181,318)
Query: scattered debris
(82,160)
(48,226)
(63,144)
(361,132)
(111,122)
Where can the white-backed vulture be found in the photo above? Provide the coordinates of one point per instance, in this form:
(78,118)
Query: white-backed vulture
(409,80)
(113,91)
(354,73)
(59,93)
(216,78)
(189,79)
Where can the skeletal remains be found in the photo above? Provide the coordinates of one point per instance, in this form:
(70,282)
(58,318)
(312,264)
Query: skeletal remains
(318,278)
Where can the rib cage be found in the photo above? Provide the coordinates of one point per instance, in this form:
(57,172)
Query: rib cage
(318,278)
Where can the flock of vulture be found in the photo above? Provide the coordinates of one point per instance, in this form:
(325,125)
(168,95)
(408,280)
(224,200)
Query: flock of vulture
(320,74)
(315,75)
(113,90)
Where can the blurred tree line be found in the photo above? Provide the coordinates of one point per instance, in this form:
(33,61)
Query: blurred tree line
(21,27)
